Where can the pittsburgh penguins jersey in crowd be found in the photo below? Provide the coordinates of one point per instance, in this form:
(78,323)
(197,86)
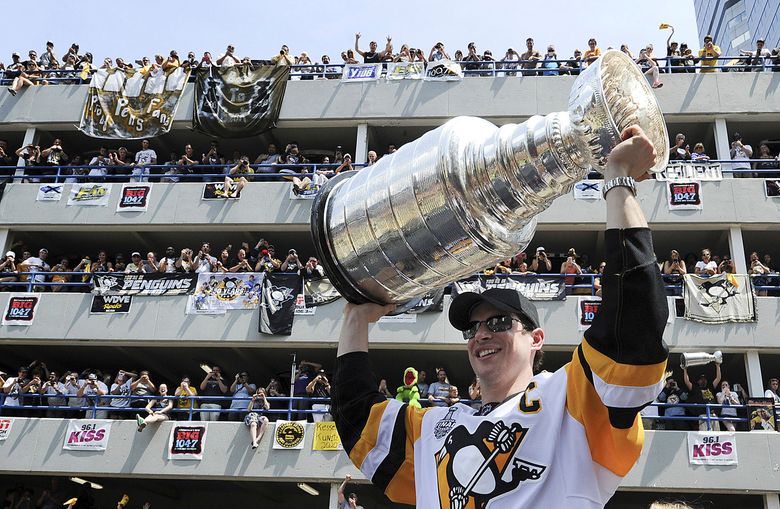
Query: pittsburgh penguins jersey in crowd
(564,442)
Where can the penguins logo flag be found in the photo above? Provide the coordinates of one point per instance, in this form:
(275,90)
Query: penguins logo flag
(277,307)
(238,101)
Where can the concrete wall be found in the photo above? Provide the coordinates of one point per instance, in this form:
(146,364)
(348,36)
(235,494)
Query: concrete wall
(323,101)
(158,321)
(266,205)
(35,446)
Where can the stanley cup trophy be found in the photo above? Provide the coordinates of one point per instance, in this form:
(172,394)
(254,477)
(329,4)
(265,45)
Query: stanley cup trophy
(466,194)
(700,359)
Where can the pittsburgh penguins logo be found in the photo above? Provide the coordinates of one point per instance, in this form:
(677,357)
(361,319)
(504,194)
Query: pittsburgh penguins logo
(471,467)
(716,295)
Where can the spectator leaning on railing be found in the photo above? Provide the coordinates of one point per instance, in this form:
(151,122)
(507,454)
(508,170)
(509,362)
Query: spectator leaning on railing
(758,59)
(592,53)
(698,153)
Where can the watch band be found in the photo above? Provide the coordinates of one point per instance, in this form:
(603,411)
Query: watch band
(628,182)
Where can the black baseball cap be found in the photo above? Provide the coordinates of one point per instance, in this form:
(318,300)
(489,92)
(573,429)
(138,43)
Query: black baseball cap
(503,299)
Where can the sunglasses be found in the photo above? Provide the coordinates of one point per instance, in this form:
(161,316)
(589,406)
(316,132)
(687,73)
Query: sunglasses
(498,323)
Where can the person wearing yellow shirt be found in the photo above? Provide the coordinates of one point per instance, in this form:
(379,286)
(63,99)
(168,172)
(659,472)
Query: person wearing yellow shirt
(709,55)
(592,53)
(183,403)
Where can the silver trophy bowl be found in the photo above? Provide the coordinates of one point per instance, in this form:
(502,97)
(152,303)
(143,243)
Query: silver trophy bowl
(700,358)
(466,195)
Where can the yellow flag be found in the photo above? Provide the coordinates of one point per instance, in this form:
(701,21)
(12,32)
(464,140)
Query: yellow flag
(85,72)
(663,26)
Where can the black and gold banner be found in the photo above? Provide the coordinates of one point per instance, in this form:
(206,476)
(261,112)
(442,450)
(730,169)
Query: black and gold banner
(238,101)
(131,105)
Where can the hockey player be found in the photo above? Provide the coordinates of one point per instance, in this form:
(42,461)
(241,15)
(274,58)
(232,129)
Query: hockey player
(562,439)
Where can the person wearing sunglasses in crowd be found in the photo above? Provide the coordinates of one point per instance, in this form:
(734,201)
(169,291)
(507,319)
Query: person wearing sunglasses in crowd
(562,439)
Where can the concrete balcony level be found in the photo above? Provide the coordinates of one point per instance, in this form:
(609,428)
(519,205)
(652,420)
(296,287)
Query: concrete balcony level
(160,321)
(34,446)
(267,206)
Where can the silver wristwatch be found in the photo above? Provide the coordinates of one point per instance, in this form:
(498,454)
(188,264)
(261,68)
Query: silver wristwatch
(628,182)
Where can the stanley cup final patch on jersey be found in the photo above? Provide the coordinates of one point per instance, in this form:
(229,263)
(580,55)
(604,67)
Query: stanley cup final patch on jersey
(474,468)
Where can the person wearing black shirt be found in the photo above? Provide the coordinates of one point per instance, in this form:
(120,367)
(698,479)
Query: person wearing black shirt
(319,387)
(371,56)
(212,385)
(700,393)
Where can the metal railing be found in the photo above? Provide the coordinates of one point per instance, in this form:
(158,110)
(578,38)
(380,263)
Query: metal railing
(185,173)
(493,68)
(98,403)
(708,414)
(262,172)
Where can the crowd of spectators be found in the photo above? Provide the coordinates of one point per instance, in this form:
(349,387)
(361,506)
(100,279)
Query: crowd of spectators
(216,395)
(261,257)
(55,164)
(74,67)
(73,393)
(728,402)
(742,153)
(580,274)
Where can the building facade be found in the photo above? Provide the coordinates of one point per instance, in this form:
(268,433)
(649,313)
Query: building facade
(156,334)
(737,24)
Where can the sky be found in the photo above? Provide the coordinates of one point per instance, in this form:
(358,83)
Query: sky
(258,28)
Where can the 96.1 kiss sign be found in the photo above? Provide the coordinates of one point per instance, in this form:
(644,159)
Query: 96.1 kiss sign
(684,195)
(20,310)
(187,442)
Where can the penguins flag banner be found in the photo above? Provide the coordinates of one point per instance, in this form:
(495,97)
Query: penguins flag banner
(238,101)
(155,283)
(719,299)
(133,104)
(277,304)
(533,287)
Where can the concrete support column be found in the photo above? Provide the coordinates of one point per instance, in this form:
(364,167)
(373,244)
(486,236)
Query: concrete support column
(361,146)
(771,501)
(737,249)
(722,145)
(5,239)
(31,136)
(754,378)
(333,500)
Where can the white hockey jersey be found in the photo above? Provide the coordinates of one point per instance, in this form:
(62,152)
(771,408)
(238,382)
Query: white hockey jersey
(564,442)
